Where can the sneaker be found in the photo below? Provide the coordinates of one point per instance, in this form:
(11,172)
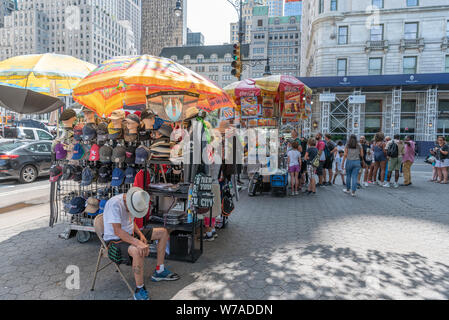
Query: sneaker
(395,185)
(380,183)
(386,185)
(359,186)
(215,234)
(353,194)
(141,294)
(345,190)
(165,275)
(208,238)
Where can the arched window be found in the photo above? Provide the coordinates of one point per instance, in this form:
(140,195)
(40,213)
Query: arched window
(200,58)
(186,59)
(174,58)
(213,57)
(292,20)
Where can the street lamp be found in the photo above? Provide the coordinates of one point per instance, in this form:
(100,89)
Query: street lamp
(267,72)
(178,8)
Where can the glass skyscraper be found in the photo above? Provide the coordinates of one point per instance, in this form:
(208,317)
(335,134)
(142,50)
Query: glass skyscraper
(293,8)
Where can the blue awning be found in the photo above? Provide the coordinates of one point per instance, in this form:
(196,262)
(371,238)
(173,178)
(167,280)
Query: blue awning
(423,79)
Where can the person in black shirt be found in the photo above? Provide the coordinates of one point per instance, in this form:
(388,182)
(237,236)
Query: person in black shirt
(441,152)
(311,153)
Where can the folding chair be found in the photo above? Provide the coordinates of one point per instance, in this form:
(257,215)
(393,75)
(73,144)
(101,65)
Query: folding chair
(99,229)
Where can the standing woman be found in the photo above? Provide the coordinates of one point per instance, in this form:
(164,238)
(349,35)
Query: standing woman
(442,162)
(311,153)
(351,162)
(380,158)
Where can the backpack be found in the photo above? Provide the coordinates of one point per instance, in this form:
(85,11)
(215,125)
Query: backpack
(393,151)
(227,204)
(316,161)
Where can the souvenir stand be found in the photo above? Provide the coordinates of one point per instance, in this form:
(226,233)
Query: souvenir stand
(108,150)
(270,102)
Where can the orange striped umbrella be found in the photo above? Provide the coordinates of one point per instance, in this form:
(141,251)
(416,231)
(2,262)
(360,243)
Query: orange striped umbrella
(128,81)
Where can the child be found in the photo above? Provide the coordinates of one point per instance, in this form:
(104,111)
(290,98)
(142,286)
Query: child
(338,167)
(294,166)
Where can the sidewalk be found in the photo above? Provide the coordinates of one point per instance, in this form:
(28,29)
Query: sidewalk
(383,244)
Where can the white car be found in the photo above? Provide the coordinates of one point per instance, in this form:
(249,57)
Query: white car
(26,133)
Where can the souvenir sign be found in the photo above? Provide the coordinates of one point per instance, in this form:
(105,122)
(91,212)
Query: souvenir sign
(268,107)
(250,107)
(202,195)
(292,103)
(173,107)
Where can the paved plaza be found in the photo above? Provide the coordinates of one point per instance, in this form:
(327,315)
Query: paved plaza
(383,244)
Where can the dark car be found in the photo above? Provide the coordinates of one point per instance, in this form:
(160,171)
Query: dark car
(25,160)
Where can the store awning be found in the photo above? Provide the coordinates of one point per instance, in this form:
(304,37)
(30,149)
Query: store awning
(414,81)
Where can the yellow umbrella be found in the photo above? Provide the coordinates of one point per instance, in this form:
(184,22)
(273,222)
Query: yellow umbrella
(39,72)
(129,81)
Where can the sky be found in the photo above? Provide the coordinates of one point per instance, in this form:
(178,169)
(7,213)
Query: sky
(212,18)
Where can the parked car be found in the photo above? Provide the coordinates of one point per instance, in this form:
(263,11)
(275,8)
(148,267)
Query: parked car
(25,160)
(26,133)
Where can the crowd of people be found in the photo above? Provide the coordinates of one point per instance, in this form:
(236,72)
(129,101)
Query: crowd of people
(319,161)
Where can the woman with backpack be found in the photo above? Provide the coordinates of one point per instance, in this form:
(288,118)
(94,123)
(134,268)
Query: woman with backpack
(380,158)
(442,159)
(351,162)
(313,162)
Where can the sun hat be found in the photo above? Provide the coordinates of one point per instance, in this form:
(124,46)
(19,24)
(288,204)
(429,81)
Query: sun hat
(130,174)
(142,154)
(106,154)
(137,202)
(55,173)
(118,154)
(78,152)
(117,115)
(68,114)
(77,205)
(89,132)
(94,154)
(117,177)
(60,152)
(104,175)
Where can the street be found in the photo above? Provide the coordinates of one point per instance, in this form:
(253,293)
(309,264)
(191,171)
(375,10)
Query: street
(383,244)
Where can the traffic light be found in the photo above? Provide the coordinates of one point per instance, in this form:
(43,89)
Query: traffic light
(236,62)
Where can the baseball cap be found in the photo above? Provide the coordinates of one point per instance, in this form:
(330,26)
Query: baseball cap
(118,154)
(78,132)
(102,132)
(130,155)
(55,173)
(117,115)
(158,122)
(101,206)
(130,174)
(93,206)
(60,152)
(117,177)
(87,177)
(133,117)
(104,175)
(103,193)
(165,130)
(78,173)
(86,148)
(142,154)
(146,114)
(105,154)
(77,205)
(67,114)
(78,152)
(89,132)
(68,172)
(94,154)
(143,134)
(86,110)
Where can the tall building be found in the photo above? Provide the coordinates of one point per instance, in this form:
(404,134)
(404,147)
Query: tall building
(89,30)
(247,16)
(130,13)
(6,8)
(213,62)
(194,38)
(276,8)
(384,68)
(276,38)
(161,27)
(293,8)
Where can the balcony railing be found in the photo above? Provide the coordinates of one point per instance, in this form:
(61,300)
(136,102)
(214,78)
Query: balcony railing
(377,45)
(417,43)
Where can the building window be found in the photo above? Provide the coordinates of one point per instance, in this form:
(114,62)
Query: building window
(334,5)
(373,117)
(343,35)
(409,65)
(447,29)
(377,33)
(320,6)
(443,117)
(447,64)
(260,23)
(411,30)
(412,3)
(378,3)
(408,117)
(375,66)
(342,67)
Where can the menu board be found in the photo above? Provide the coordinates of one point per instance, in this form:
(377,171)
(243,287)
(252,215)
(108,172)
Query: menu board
(268,107)
(292,103)
(202,195)
(250,107)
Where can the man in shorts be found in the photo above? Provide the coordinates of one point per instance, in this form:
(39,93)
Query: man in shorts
(320,145)
(330,153)
(128,244)
(395,160)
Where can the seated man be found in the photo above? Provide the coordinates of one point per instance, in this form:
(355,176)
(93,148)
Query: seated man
(127,244)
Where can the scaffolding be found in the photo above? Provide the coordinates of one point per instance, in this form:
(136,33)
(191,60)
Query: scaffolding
(420,116)
(431,114)
(354,111)
(325,115)
(396,111)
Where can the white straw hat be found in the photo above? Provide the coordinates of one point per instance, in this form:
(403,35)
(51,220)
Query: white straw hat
(138,202)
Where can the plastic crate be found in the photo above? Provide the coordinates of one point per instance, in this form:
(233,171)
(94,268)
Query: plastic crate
(279,181)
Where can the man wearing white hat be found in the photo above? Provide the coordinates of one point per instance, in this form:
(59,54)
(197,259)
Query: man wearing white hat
(127,244)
